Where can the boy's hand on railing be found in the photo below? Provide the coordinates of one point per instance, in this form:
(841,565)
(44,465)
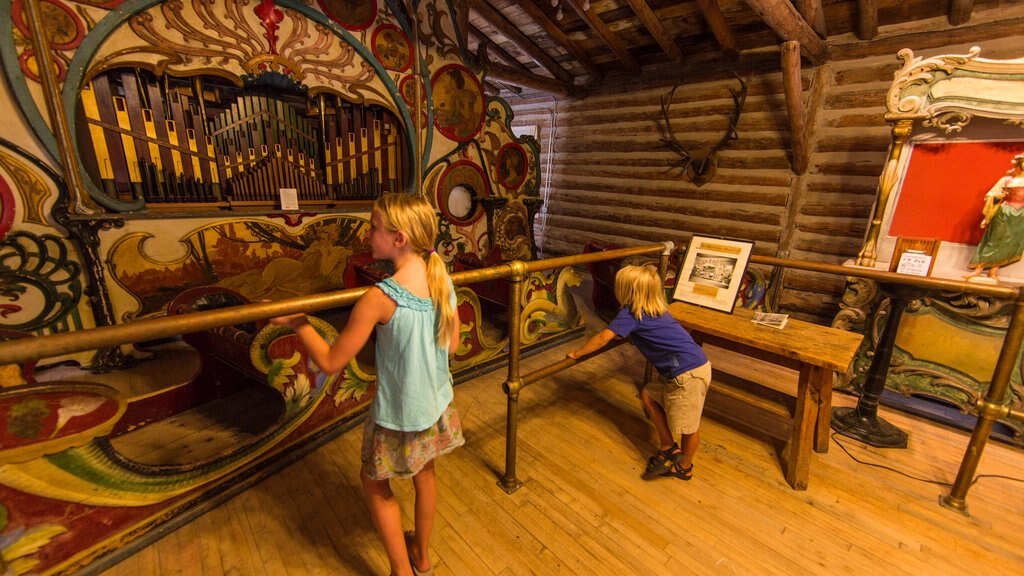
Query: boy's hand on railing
(292,321)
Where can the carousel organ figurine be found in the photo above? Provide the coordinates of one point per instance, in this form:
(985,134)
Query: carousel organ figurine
(1003,241)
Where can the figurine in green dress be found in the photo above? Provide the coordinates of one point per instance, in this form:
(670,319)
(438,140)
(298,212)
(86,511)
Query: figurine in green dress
(1003,241)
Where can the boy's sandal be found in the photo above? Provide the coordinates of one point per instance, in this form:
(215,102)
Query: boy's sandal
(409,537)
(666,463)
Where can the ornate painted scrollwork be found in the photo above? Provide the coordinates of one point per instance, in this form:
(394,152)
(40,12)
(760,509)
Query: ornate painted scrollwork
(909,92)
(973,308)
(865,309)
(37,269)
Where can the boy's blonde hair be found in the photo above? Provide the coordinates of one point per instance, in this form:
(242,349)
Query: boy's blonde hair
(639,288)
(415,217)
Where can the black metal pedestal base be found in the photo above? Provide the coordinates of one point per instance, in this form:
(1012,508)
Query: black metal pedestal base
(870,430)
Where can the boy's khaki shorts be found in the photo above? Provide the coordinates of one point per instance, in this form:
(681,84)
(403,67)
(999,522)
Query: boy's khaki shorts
(682,398)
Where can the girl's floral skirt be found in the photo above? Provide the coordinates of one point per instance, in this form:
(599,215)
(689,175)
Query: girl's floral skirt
(396,454)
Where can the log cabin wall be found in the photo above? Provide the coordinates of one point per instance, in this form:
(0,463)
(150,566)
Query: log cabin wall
(605,168)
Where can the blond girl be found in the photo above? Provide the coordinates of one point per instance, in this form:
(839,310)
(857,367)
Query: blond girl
(412,420)
(674,401)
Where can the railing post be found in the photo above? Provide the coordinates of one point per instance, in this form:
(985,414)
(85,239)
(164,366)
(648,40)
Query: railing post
(509,483)
(992,407)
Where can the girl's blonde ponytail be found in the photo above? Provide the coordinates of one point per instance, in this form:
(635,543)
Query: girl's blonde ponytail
(440,293)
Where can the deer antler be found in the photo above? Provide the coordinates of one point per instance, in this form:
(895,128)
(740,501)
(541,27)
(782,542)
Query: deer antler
(700,164)
(671,141)
(738,101)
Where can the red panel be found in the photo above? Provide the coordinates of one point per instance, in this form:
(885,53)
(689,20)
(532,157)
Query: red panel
(944,188)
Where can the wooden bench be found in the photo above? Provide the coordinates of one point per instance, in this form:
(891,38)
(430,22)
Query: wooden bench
(814,351)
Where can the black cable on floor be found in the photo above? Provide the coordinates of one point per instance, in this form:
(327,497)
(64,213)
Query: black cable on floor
(912,477)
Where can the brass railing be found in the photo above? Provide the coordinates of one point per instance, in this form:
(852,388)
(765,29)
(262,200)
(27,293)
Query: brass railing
(989,409)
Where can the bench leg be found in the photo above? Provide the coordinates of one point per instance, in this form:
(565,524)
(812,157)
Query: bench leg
(798,450)
(823,428)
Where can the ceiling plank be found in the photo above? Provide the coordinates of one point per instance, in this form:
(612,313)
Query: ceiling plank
(509,75)
(654,26)
(509,30)
(960,11)
(867,19)
(814,15)
(610,39)
(783,18)
(483,40)
(719,27)
(792,84)
(559,37)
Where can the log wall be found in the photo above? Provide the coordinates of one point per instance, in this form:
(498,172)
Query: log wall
(606,173)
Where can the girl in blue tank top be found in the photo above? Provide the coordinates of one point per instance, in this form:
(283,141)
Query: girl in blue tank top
(412,420)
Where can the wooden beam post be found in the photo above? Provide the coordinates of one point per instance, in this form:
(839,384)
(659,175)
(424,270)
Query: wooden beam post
(509,75)
(792,84)
(719,27)
(509,30)
(653,24)
(610,39)
(560,38)
(867,19)
(960,11)
(813,14)
(782,17)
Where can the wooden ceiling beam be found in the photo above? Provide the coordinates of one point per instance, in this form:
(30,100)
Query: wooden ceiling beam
(719,27)
(792,84)
(813,14)
(654,26)
(511,87)
(491,89)
(960,11)
(483,40)
(509,30)
(559,37)
(509,75)
(783,18)
(867,19)
(610,39)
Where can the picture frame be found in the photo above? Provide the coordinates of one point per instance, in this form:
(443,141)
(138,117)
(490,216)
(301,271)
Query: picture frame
(712,271)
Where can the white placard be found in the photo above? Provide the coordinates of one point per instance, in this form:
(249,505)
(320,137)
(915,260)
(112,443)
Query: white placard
(289,198)
(914,263)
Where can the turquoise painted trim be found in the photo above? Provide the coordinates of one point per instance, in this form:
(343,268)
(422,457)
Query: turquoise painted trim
(428,90)
(410,127)
(18,86)
(86,52)
(400,16)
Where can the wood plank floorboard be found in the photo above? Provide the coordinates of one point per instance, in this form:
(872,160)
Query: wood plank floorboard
(583,509)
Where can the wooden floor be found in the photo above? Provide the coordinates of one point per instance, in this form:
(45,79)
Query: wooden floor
(584,510)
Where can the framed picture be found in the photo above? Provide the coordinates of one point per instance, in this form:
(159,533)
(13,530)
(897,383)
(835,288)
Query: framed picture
(712,271)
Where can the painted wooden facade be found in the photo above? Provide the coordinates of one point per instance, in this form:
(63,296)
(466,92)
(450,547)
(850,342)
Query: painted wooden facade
(183,121)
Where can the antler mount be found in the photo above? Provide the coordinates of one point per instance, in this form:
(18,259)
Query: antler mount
(699,165)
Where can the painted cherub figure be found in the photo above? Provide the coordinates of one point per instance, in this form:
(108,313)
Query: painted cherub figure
(1003,221)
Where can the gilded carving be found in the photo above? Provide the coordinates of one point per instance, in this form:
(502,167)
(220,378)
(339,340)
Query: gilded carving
(33,191)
